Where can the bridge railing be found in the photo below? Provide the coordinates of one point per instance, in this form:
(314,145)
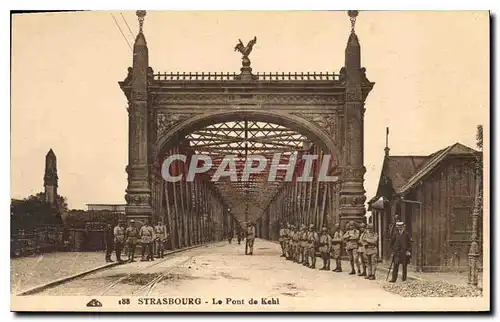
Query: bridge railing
(202,76)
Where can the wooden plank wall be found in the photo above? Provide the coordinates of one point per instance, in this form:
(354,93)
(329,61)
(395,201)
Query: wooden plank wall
(451,185)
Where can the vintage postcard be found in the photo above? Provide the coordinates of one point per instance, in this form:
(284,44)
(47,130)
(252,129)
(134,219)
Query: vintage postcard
(320,161)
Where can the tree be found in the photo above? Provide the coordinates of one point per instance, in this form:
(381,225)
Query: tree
(34,211)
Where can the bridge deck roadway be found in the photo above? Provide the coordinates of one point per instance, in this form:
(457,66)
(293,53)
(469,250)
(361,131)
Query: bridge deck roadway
(220,271)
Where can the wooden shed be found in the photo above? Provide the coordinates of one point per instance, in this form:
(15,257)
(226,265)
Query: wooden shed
(434,196)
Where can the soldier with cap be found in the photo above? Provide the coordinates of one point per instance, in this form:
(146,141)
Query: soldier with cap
(282,240)
(250,238)
(370,240)
(313,240)
(288,231)
(337,244)
(119,233)
(351,236)
(160,238)
(109,240)
(325,244)
(361,250)
(295,244)
(147,236)
(131,235)
(298,244)
(304,244)
(238,235)
(230,236)
(400,245)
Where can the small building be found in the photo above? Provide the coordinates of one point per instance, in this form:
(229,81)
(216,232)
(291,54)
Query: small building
(434,196)
(106,207)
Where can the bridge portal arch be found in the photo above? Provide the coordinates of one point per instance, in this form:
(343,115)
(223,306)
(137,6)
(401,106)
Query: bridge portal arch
(326,107)
(313,132)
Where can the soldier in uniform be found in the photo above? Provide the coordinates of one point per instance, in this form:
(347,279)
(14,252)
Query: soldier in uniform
(160,238)
(313,240)
(282,239)
(250,238)
(147,236)
(108,239)
(295,244)
(325,244)
(351,237)
(238,235)
(337,243)
(288,231)
(131,235)
(119,233)
(361,250)
(370,240)
(294,241)
(298,248)
(304,246)
(400,245)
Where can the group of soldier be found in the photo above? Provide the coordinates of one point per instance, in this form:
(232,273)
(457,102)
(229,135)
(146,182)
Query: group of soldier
(120,238)
(299,244)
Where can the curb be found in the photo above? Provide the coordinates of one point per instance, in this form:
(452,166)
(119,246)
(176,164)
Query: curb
(62,280)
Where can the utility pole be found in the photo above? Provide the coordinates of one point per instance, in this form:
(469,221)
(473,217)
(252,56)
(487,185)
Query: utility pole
(477,211)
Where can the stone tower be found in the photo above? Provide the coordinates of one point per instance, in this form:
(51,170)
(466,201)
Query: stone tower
(50,178)
(138,193)
(353,193)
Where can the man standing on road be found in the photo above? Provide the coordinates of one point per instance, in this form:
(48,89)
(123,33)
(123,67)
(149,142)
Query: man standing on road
(282,240)
(160,238)
(131,234)
(313,240)
(119,233)
(147,235)
(304,245)
(298,247)
(370,239)
(361,250)
(292,243)
(108,240)
(296,242)
(337,243)
(250,238)
(325,244)
(238,235)
(400,245)
(230,236)
(352,236)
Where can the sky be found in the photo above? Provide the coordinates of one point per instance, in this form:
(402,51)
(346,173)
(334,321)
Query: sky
(431,74)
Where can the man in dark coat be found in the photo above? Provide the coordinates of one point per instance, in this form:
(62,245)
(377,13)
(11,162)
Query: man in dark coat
(401,246)
(108,240)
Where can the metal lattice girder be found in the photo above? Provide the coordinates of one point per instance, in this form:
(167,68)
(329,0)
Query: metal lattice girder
(243,139)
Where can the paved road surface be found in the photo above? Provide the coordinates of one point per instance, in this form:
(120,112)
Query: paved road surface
(31,271)
(220,271)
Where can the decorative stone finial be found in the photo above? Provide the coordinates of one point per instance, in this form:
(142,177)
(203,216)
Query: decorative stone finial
(141,14)
(352,16)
